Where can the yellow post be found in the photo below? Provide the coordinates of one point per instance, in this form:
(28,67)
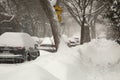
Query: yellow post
(59,11)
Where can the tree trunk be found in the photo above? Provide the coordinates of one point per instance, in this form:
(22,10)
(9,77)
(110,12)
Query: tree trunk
(82,35)
(51,14)
(85,32)
(93,29)
(93,32)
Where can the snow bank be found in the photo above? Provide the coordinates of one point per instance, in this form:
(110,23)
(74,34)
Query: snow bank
(101,52)
(24,72)
(69,64)
(60,64)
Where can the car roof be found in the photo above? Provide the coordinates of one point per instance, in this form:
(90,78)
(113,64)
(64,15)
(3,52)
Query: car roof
(16,39)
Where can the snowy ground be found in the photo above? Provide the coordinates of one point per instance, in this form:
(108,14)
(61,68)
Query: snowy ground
(97,60)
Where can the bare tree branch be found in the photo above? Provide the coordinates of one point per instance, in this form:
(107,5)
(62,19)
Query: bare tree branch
(72,13)
(76,12)
(7,15)
(100,8)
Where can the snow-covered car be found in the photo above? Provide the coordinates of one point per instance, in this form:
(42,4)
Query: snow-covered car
(73,42)
(17,47)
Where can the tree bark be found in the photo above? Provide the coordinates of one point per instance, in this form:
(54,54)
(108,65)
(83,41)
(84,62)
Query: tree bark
(93,29)
(51,14)
(85,31)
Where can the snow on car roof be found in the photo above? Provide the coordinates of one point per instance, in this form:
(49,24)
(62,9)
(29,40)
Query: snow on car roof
(16,39)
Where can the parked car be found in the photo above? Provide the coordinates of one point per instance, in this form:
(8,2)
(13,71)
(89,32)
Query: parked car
(17,47)
(71,43)
(74,41)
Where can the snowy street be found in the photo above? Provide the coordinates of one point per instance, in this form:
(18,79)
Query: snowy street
(76,63)
(59,39)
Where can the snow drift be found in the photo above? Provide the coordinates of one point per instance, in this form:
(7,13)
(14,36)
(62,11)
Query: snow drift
(61,64)
(24,72)
(101,52)
(97,60)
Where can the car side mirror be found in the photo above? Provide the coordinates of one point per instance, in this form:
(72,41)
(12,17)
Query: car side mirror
(36,45)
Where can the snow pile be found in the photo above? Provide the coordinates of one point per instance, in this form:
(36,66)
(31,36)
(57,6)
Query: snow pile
(61,64)
(101,52)
(24,72)
(69,64)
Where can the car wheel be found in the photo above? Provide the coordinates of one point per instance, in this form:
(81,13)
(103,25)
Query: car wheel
(28,57)
(38,53)
(21,61)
